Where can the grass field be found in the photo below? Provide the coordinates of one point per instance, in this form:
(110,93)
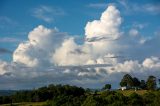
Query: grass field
(129,92)
(26,104)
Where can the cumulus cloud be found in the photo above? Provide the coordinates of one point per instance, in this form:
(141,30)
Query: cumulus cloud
(107,26)
(153,62)
(71,54)
(3,67)
(38,49)
(99,41)
(51,56)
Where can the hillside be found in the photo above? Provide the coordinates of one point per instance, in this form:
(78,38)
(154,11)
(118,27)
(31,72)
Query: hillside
(66,95)
(129,92)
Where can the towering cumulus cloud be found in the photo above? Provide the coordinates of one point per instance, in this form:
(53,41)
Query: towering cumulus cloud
(100,36)
(107,26)
(44,57)
(38,49)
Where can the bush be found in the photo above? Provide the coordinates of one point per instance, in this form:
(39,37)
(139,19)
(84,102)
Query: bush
(135,100)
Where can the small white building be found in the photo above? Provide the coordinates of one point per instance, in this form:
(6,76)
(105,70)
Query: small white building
(124,88)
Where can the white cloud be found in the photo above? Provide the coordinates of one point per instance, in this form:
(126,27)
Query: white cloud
(97,5)
(149,8)
(44,57)
(153,62)
(124,3)
(107,26)
(37,51)
(3,68)
(47,13)
(100,36)
(133,32)
(152,8)
(71,54)
(86,77)
(139,25)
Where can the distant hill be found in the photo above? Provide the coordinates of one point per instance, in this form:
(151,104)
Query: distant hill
(7,92)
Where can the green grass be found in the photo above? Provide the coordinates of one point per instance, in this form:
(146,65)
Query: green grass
(129,92)
(26,104)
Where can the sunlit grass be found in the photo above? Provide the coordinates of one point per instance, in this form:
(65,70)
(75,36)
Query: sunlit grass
(26,104)
(129,92)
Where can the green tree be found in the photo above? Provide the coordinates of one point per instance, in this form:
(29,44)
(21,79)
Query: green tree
(135,100)
(122,84)
(127,80)
(94,101)
(143,84)
(107,86)
(136,82)
(151,83)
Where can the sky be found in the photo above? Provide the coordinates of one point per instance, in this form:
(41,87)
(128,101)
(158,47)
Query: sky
(66,42)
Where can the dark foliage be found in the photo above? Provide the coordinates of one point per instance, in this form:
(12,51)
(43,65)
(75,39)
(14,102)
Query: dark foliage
(127,80)
(44,93)
(66,95)
(151,83)
(107,87)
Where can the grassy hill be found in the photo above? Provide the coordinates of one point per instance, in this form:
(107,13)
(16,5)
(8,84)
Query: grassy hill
(129,92)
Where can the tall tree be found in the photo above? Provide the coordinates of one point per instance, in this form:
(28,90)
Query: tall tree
(151,83)
(122,84)
(136,82)
(128,80)
(143,84)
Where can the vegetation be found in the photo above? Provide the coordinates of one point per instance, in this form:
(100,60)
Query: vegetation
(129,92)
(131,83)
(107,87)
(66,95)
(127,80)
(151,83)
(26,104)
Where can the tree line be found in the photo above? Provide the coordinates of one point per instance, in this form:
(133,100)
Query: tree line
(67,95)
(134,83)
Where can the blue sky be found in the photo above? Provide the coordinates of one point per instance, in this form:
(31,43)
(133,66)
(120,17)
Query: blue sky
(17,17)
(140,29)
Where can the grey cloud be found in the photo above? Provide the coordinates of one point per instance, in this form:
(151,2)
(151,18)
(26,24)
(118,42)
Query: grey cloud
(97,5)
(9,40)
(47,13)
(5,51)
